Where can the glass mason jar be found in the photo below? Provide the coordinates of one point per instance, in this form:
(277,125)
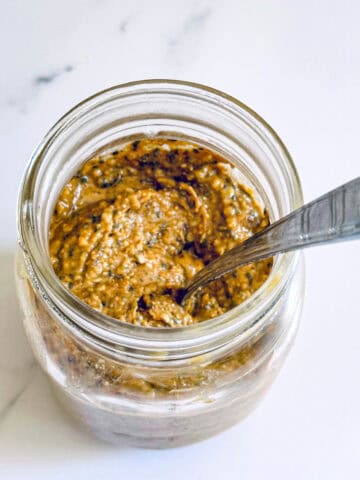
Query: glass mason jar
(157,387)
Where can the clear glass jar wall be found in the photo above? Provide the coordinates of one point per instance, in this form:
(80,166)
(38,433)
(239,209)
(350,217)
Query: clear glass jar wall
(157,387)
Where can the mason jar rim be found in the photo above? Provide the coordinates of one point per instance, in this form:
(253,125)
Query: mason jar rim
(79,317)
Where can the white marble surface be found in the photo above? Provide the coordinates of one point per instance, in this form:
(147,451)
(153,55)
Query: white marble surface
(298,65)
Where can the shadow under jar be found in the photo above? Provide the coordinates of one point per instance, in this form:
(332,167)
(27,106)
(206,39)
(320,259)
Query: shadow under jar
(157,387)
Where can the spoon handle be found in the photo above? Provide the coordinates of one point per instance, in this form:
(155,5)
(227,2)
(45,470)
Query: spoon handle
(332,217)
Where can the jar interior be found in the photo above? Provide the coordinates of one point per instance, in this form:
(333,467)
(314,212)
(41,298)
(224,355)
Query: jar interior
(171,109)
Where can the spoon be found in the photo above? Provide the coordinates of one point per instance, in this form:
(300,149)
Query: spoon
(333,217)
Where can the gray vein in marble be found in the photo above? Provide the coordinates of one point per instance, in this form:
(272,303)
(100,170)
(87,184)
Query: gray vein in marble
(13,401)
(14,370)
(50,77)
(191,25)
(127,21)
(124,25)
(21,102)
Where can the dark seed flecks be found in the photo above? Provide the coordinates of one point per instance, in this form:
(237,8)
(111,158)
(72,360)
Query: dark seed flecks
(141,304)
(249,277)
(135,145)
(171,156)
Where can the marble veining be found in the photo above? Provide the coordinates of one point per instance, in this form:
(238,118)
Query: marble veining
(50,77)
(192,24)
(5,409)
(28,94)
(123,27)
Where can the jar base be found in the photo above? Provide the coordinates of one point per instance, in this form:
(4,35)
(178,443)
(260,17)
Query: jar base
(110,427)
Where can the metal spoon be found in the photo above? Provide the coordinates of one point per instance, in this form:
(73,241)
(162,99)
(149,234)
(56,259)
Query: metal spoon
(333,217)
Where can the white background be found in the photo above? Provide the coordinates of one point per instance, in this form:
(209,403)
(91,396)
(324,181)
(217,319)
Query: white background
(298,65)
